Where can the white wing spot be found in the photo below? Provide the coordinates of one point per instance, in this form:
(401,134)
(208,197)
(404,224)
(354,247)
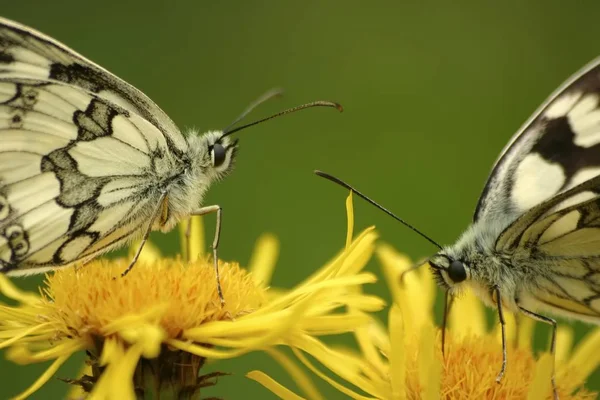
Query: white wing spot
(584,106)
(562,105)
(536,180)
(586,128)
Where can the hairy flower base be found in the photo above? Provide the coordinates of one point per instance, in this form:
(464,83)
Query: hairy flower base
(173,374)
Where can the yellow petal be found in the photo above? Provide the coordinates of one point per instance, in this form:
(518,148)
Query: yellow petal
(45,377)
(149,253)
(264,259)
(467,316)
(398,354)
(349,219)
(116,382)
(525,326)
(273,385)
(148,336)
(193,248)
(586,357)
(408,294)
(428,374)
(564,342)
(356,380)
(11,291)
(22,355)
(301,379)
(541,386)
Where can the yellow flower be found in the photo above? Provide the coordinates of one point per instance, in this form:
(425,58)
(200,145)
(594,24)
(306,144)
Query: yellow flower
(405,360)
(152,331)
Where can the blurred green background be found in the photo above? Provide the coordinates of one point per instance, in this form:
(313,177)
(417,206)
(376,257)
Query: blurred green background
(432,92)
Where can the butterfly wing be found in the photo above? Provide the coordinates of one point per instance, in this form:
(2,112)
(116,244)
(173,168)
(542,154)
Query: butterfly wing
(27,53)
(560,238)
(78,174)
(555,150)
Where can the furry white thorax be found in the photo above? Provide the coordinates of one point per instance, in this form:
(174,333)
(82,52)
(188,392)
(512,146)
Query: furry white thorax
(485,266)
(185,194)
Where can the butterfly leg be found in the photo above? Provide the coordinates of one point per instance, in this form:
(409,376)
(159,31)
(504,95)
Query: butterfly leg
(448,301)
(155,214)
(554,326)
(215,244)
(502,331)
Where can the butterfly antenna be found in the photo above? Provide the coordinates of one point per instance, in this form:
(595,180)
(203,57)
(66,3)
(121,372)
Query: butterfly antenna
(321,103)
(271,94)
(385,210)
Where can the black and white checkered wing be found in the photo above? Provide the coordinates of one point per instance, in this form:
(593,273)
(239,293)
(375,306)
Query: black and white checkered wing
(83,155)
(555,150)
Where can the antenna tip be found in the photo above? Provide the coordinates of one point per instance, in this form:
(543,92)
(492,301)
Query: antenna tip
(339,107)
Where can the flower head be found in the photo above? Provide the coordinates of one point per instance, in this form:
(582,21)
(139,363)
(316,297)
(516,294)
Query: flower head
(153,330)
(405,360)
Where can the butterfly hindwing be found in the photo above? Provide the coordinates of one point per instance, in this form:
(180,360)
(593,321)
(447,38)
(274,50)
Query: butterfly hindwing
(77,172)
(555,150)
(561,240)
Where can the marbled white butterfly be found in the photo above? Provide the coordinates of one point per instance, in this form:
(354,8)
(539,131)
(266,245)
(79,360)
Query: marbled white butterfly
(534,243)
(88,162)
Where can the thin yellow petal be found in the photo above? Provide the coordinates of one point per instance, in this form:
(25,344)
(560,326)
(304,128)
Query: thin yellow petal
(22,334)
(467,316)
(264,259)
(541,386)
(302,380)
(414,295)
(45,377)
(398,354)
(426,357)
(348,392)
(349,219)
(586,357)
(11,291)
(22,355)
(195,244)
(564,342)
(273,385)
(525,326)
(149,254)
(434,383)
(368,347)
(148,336)
(117,380)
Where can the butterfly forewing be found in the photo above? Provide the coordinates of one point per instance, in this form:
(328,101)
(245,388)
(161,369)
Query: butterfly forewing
(556,149)
(26,53)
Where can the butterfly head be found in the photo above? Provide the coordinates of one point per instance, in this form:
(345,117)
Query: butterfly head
(218,154)
(448,271)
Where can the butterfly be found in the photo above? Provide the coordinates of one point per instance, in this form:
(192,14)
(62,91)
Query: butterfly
(89,163)
(534,243)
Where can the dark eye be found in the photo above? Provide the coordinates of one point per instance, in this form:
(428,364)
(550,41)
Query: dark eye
(456,271)
(218,154)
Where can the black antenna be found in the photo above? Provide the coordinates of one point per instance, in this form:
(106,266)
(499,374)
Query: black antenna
(385,210)
(320,103)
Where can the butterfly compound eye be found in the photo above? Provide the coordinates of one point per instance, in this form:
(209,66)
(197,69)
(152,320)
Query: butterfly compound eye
(457,271)
(218,154)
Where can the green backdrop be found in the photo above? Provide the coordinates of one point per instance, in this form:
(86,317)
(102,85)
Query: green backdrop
(432,92)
